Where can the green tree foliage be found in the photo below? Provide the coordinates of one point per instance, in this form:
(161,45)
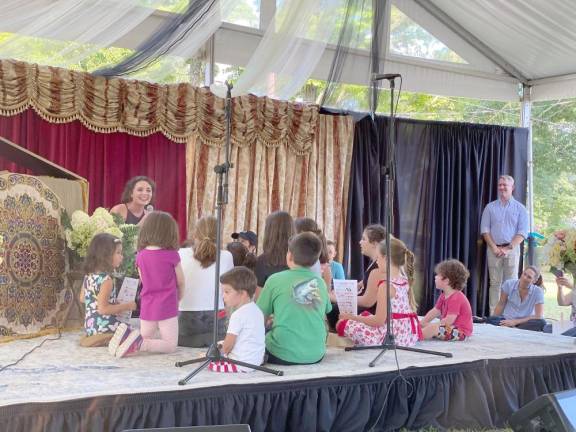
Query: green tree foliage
(554,138)
(245,13)
(410,39)
(165,5)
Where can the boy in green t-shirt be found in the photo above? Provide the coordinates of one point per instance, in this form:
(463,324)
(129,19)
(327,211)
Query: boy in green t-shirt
(298,299)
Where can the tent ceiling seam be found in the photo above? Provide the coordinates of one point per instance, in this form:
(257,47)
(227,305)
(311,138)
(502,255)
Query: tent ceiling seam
(552,79)
(449,22)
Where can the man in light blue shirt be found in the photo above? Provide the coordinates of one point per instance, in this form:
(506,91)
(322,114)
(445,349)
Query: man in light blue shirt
(504,226)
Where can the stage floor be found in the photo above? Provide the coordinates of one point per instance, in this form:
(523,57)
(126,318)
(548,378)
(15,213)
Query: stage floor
(62,370)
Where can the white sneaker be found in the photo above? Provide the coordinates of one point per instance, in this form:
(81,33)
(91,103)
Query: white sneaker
(119,335)
(130,344)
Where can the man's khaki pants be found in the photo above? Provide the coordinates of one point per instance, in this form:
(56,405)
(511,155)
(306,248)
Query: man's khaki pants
(501,269)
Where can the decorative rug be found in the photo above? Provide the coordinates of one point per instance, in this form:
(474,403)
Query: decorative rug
(34,298)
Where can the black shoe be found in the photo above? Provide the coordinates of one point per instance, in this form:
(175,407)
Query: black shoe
(479,320)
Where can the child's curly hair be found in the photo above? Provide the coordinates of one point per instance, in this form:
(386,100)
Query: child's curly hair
(453,270)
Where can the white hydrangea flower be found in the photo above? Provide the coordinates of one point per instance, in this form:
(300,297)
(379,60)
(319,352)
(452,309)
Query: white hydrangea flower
(115,231)
(78,219)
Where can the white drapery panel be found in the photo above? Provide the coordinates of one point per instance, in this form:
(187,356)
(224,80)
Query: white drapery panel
(91,24)
(290,49)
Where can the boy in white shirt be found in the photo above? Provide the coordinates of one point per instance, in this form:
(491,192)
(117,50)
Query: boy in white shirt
(245,339)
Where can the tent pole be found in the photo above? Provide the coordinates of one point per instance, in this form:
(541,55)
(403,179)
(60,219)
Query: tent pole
(526,121)
(209,58)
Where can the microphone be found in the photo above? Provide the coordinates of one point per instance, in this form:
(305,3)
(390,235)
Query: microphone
(390,76)
(149,208)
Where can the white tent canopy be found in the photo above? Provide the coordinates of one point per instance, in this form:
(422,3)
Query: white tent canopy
(531,41)
(504,43)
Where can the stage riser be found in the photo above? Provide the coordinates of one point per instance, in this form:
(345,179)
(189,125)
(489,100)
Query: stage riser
(480,394)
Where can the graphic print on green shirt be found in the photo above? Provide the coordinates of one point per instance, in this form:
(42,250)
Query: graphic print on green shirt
(298,300)
(307,293)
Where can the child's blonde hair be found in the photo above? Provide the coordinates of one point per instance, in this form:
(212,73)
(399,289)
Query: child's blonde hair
(205,241)
(401,256)
(158,229)
(100,252)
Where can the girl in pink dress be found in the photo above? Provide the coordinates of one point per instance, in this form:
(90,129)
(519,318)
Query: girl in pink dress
(367,329)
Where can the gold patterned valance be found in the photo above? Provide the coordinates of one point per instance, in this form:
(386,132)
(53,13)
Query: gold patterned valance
(141,108)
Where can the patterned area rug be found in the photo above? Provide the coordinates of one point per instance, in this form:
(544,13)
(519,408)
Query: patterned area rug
(34,298)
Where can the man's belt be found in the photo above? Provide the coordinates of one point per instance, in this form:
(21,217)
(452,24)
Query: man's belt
(503,245)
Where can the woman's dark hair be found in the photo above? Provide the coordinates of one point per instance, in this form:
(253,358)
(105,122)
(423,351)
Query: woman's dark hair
(375,233)
(158,229)
(129,188)
(539,281)
(278,230)
(100,252)
(310,225)
(205,249)
(241,255)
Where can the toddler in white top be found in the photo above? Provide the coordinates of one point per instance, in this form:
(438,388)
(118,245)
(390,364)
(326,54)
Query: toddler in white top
(245,339)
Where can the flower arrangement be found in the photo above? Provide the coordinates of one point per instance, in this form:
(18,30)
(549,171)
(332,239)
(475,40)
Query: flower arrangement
(560,250)
(81,228)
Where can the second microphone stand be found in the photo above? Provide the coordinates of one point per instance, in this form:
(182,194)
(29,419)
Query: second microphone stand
(213,354)
(389,342)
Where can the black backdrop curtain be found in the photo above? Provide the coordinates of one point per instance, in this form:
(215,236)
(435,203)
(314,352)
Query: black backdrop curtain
(446,174)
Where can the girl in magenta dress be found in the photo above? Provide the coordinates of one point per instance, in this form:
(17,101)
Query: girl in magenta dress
(162,287)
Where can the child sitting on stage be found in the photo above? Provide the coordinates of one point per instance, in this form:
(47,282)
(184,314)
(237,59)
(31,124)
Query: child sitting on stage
(244,339)
(335,266)
(367,329)
(452,307)
(298,299)
(162,286)
(103,256)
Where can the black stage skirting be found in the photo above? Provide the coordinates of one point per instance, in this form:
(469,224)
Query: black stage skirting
(480,394)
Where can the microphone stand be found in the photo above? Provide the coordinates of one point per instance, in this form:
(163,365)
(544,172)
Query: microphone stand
(389,178)
(213,354)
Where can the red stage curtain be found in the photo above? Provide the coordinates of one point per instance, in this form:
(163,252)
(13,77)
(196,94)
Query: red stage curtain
(106,160)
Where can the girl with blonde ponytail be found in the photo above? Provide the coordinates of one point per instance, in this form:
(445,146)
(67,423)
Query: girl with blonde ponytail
(198,264)
(367,329)
(205,241)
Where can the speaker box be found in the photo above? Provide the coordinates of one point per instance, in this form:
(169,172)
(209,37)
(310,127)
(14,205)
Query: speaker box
(553,412)
(218,428)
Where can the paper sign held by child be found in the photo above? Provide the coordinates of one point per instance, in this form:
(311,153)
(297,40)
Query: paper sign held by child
(127,294)
(346,292)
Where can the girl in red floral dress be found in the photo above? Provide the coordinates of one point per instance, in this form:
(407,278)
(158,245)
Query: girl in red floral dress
(367,329)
